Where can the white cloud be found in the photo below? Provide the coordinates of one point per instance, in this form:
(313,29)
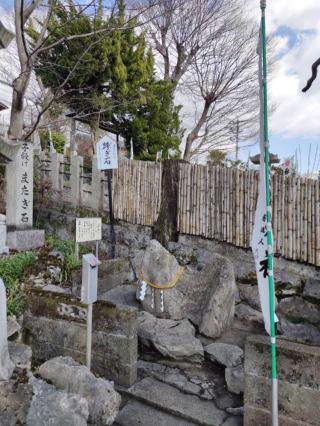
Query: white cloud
(296,14)
(297,27)
(298,114)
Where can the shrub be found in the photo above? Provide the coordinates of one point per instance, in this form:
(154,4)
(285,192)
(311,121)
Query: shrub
(12,270)
(67,248)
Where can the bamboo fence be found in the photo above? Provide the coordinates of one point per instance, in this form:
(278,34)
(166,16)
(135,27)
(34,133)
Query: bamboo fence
(213,202)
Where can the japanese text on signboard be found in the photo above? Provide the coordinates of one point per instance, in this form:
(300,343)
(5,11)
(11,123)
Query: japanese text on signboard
(107,156)
(88,229)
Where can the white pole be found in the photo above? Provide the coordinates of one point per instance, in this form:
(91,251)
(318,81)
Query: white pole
(89,334)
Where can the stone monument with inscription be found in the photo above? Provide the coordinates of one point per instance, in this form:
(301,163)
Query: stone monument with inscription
(19,196)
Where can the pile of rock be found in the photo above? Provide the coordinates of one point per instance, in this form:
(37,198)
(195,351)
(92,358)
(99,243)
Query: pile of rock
(297,307)
(230,357)
(102,400)
(74,397)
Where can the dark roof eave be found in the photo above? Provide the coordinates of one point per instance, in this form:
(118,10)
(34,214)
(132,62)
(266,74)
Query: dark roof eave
(102,125)
(273,159)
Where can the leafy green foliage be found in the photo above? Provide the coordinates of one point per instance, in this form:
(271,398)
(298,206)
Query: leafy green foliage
(217,157)
(110,77)
(12,271)
(67,248)
(155,126)
(58,139)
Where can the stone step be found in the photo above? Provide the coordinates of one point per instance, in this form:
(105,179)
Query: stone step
(136,413)
(171,400)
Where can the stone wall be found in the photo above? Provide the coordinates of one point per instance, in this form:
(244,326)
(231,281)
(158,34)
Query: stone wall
(55,325)
(299,383)
(297,284)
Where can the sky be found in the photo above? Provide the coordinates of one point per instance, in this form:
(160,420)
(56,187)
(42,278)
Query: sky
(295,124)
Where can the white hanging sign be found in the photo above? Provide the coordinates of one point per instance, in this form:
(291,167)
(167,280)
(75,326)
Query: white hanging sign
(259,241)
(88,229)
(107,154)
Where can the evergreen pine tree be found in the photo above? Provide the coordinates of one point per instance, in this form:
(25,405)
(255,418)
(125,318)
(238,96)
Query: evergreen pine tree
(112,78)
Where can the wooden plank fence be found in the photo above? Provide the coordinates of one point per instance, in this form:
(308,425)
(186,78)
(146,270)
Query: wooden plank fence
(214,202)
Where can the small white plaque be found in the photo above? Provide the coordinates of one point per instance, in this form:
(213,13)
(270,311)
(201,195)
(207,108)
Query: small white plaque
(88,229)
(107,154)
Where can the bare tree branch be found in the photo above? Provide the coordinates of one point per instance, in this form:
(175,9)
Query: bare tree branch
(314,69)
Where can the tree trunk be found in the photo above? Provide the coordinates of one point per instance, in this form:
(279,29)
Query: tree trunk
(95,133)
(166,227)
(17,108)
(193,135)
(73,143)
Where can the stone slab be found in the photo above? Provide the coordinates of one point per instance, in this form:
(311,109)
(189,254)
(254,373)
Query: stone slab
(260,417)
(296,362)
(107,317)
(137,413)
(56,326)
(173,401)
(298,377)
(113,356)
(296,402)
(26,239)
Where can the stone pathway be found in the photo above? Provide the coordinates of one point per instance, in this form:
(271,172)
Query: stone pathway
(167,396)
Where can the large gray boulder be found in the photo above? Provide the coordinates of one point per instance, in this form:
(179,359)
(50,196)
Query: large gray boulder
(301,333)
(235,378)
(173,339)
(122,295)
(15,399)
(103,400)
(115,272)
(13,327)
(21,355)
(225,354)
(205,295)
(312,290)
(112,274)
(53,407)
(298,310)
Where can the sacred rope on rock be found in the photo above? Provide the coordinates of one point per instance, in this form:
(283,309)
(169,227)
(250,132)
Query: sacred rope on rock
(155,287)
